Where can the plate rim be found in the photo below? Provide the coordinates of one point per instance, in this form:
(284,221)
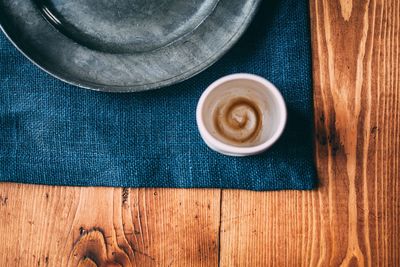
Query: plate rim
(198,68)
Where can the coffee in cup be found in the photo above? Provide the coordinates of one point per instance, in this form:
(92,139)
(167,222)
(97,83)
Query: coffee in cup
(241,114)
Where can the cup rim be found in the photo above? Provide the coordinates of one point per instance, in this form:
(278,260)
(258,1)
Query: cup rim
(224,148)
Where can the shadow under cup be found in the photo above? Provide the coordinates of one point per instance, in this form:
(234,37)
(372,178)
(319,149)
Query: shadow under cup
(241,114)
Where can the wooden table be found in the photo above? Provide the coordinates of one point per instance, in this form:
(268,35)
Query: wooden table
(352,219)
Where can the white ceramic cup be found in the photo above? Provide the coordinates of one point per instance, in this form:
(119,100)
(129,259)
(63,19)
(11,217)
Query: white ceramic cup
(271,104)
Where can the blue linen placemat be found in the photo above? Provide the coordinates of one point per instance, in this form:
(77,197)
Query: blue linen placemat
(57,134)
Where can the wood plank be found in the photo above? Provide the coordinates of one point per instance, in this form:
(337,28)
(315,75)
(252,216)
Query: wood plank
(70,226)
(353,218)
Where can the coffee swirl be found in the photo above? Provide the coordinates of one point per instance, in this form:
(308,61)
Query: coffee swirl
(238,120)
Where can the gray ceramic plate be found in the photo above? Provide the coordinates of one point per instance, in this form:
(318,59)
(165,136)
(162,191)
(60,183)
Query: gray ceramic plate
(124,45)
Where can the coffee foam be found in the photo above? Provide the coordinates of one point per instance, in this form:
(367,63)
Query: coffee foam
(238,113)
(238,120)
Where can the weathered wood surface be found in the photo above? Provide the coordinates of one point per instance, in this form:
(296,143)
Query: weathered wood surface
(67,226)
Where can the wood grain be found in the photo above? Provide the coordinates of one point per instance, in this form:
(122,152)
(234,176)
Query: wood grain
(68,226)
(351,220)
